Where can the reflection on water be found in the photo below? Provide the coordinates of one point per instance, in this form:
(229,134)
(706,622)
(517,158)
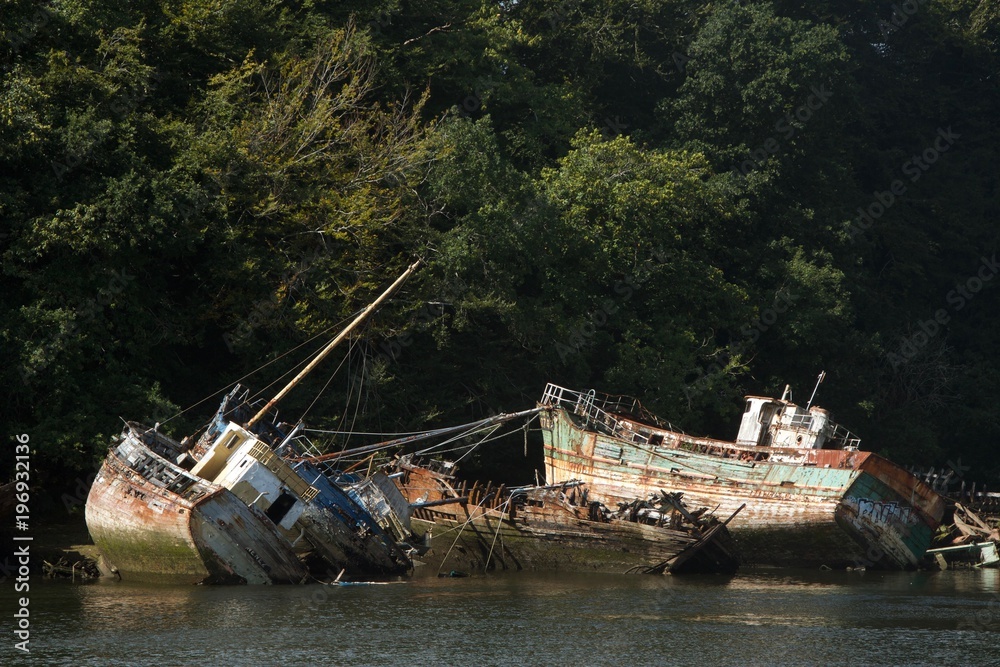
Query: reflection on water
(759,618)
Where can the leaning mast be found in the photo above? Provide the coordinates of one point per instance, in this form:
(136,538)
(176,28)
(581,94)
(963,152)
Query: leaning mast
(336,341)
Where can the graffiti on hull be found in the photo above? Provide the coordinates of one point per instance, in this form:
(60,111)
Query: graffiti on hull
(881,513)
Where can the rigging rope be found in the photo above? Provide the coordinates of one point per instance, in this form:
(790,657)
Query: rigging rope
(472,515)
(262,367)
(332,375)
(504,508)
(357,404)
(463,430)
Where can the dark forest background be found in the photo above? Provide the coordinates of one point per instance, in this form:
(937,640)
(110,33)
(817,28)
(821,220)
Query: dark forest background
(682,201)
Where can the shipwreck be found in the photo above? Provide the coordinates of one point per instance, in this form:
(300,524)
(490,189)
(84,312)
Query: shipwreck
(557,527)
(812,496)
(239,504)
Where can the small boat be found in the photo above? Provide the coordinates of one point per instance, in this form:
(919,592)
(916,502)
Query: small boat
(966,540)
(974,554)
(557,527)
(228,508)
(812,496)
(340,582)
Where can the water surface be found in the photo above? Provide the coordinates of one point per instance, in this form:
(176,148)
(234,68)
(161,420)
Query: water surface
(775,617)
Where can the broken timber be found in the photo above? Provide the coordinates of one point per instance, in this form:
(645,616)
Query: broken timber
(556,527)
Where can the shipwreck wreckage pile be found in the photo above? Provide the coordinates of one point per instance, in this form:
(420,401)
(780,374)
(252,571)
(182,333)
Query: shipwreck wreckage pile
(253,506)
(967,541)
(556,527)
(250,499)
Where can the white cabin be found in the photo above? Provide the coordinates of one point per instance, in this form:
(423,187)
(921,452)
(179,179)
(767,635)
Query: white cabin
(770,422)
(249,468)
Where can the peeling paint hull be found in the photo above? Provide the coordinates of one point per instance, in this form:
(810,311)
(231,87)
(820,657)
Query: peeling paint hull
(492,542)
(145,531)
(804,507)
(549,534)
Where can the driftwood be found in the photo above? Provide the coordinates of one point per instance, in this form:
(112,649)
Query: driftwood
(84,569)
(971,528)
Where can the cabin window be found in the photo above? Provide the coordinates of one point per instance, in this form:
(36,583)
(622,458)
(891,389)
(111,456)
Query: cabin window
(656,439)
(279,508)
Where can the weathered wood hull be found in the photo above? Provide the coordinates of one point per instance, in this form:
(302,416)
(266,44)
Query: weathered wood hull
(890,513)
(715,553)
(549,534)
(205,534)
(804,507)
(493,542)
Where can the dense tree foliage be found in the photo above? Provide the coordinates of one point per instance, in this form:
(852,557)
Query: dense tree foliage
(684,201)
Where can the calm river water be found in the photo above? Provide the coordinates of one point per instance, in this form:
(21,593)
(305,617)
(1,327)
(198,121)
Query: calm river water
(777,617)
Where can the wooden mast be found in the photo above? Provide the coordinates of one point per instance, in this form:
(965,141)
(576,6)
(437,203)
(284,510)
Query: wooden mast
(336,341)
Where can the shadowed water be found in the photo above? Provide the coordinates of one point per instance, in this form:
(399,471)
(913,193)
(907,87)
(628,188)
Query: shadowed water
(756,618)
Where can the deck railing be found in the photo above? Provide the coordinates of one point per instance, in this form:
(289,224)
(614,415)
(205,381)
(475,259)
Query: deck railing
(836,434)
(844,438)
(603,411)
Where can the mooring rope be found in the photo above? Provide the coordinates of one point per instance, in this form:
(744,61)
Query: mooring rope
(472,515)
(504,508)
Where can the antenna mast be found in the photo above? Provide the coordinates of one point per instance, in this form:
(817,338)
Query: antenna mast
(819,381)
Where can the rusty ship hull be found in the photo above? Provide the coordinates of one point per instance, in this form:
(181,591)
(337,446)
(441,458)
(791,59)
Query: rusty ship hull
(804,506)
(546,532)
(234,512)
(152,520)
